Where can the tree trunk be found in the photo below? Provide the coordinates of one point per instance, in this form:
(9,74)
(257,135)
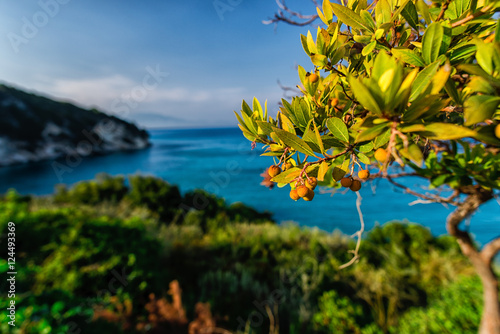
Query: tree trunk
(481,260)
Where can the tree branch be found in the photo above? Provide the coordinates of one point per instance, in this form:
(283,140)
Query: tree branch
(490,250)
(443,10)
(291,17)
(464,210)
(435,199)
(470,17)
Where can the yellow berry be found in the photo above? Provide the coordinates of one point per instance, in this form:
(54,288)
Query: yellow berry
(302,191)
(381,155)
(346,182)
(356,185)
(311,183)
(274,170)
(364,174)
(497,131)
(309,196)
(287,166)
(313,78)
(294,195)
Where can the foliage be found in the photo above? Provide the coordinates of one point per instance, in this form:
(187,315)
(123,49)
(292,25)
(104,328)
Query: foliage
(80,262)
(454,309)
(417,80)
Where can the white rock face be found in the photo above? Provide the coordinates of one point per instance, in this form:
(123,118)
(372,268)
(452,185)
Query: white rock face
(34,128)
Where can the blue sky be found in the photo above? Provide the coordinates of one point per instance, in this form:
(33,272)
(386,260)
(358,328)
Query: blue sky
(97,53)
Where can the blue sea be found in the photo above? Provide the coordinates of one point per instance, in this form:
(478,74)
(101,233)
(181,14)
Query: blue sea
(221,161)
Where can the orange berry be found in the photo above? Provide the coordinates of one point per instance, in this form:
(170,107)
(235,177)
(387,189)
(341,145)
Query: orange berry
(310,195)
(346,182)
(364,174)
(294,195)
(381,155)
(302,191)
(334,102)
(286,166)
(311,183)
(356,185)
(313,77)
(497,131)
(274,170)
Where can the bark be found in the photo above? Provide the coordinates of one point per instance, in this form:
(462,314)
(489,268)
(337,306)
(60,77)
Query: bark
(481,260)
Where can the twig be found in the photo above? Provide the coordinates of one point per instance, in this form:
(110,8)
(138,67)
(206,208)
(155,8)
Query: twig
(286,89)
(292,17)
(471,17)
(359,234)
(434,199)
(443,10)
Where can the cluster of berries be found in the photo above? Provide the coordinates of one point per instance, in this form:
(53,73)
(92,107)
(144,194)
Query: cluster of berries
(305,191)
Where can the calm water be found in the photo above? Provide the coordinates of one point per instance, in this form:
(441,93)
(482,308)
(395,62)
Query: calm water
(221,161)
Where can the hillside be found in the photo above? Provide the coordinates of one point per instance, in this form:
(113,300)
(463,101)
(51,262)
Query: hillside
(35,128)
(111,256)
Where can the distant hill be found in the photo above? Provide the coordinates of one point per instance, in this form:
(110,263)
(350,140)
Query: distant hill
(34,128)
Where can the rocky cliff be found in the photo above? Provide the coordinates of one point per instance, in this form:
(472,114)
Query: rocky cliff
(34,128)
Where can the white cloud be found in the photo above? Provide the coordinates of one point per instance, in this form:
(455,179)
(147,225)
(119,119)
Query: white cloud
(102,91)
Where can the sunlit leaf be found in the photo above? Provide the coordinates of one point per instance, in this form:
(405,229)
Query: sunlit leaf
(479,108)
(338,129)
(431,42)
(294,142)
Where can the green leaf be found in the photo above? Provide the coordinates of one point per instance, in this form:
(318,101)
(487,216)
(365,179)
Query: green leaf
(319,60)
(287,176)
(497,32)
(423,80)
(318,139)
(479,108)
(452,91)
(371,133)
(382,139)
(363,158)
(423,9)
(431,42)
(338,129)
(410,14)
(303,40)
(447,36)
(265,127)
(366,147)
(488,56)
(369,48)
(294,142)
(323,168)
(402,5)
(447,131)
(415,154)
(408,56)
(364,96)
(350,17)
(242,122)
(286,124)
(368,19)
(462,52)
(383,12)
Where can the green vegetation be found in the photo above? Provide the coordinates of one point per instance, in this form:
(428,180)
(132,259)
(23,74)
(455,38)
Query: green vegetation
(90,258)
